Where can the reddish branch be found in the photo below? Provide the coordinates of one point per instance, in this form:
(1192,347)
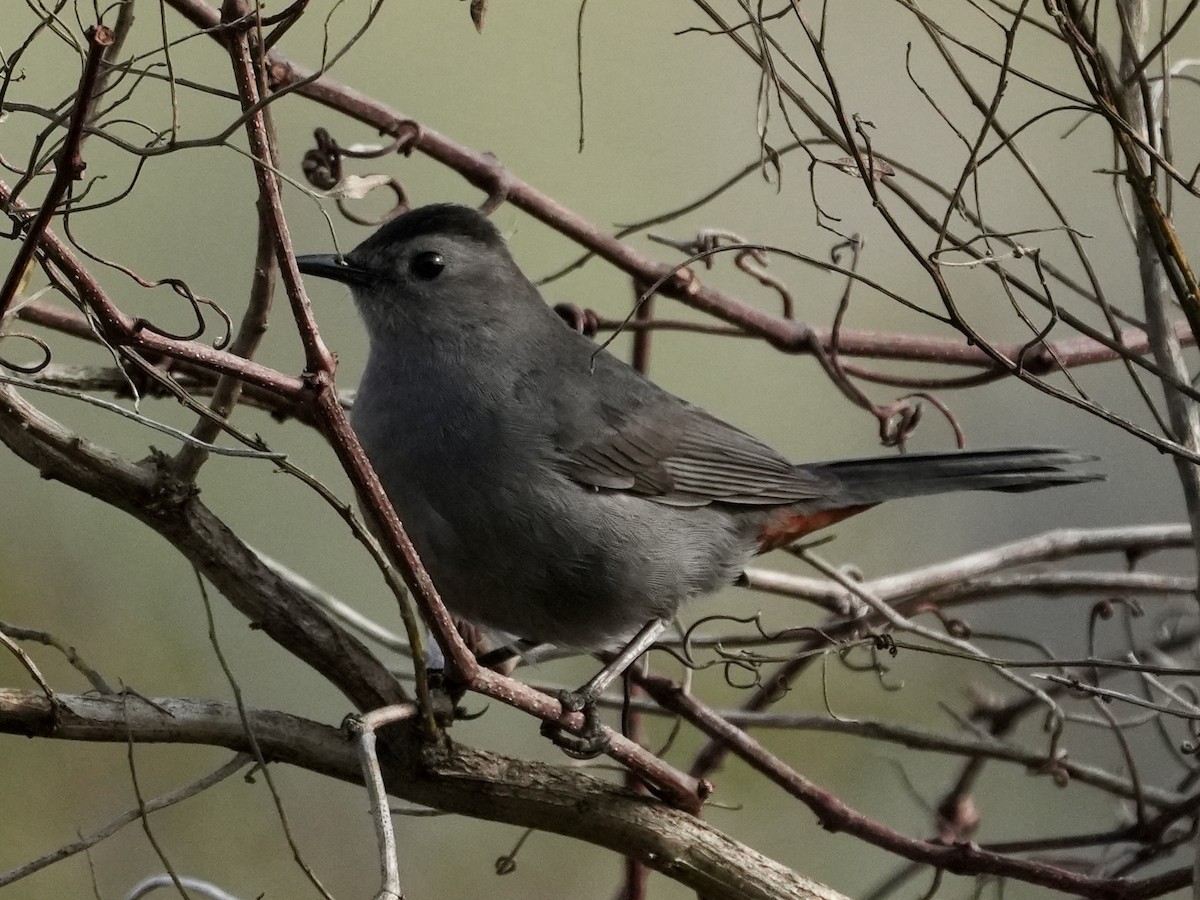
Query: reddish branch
(963,858)
(121,330)
(282,405)
(1069,353)
(485,172)
(788,335)
(68,166)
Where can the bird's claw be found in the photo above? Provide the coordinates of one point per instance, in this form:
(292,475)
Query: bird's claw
(592,740)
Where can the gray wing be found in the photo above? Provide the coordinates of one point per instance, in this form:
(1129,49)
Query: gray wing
(677,454)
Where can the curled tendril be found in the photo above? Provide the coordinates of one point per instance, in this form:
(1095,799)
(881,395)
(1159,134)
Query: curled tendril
(956,628)
(754,263)
(1132,604)
(736,658)
(196,302)
(755,620)
(408,135)
(27,368)
(684,661)
(751,260)
(853,666)
(875,642)
(735,662)
(322,166)
(1190,747)
(584,321)
(507,864)
(178,285)
(881,675)
(400,206)
(732,666)
(897,421)
(141,324)
(885,642)
(851,247)
(1053,767)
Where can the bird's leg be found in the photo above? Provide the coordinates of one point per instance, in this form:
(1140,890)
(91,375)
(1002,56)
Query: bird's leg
(591,741)
(504,659)
(641,642)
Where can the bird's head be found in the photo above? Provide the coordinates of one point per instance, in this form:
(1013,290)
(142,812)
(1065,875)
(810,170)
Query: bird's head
(433,266)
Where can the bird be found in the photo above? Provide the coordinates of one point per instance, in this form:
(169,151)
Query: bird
(553,492)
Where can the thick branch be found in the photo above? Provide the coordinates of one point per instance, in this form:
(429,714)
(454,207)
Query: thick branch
(173,509)
(452,778)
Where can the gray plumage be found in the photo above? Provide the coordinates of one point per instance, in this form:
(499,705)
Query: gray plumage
(553,492)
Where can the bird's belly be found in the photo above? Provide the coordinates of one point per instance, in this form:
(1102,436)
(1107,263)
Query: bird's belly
(553,562)
(514,545)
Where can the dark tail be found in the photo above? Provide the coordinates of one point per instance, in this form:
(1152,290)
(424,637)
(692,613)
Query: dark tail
(1011,469)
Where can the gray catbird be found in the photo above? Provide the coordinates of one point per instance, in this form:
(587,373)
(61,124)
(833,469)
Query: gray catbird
(555,493)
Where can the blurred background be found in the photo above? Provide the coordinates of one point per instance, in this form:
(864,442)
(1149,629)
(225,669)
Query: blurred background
(668,117)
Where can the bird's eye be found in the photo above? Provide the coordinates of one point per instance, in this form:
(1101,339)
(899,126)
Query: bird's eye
(428,265)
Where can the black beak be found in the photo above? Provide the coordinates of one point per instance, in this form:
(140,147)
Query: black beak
(333,267)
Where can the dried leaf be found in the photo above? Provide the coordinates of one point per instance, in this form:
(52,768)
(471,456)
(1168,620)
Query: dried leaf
(355,187)
(478,11)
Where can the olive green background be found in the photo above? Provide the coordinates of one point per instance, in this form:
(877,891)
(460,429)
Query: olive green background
(667,119)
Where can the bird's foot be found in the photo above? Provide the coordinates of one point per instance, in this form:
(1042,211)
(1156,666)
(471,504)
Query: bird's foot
(591,741)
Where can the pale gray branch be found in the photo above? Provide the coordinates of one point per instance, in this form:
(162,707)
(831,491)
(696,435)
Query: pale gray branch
(449,777)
